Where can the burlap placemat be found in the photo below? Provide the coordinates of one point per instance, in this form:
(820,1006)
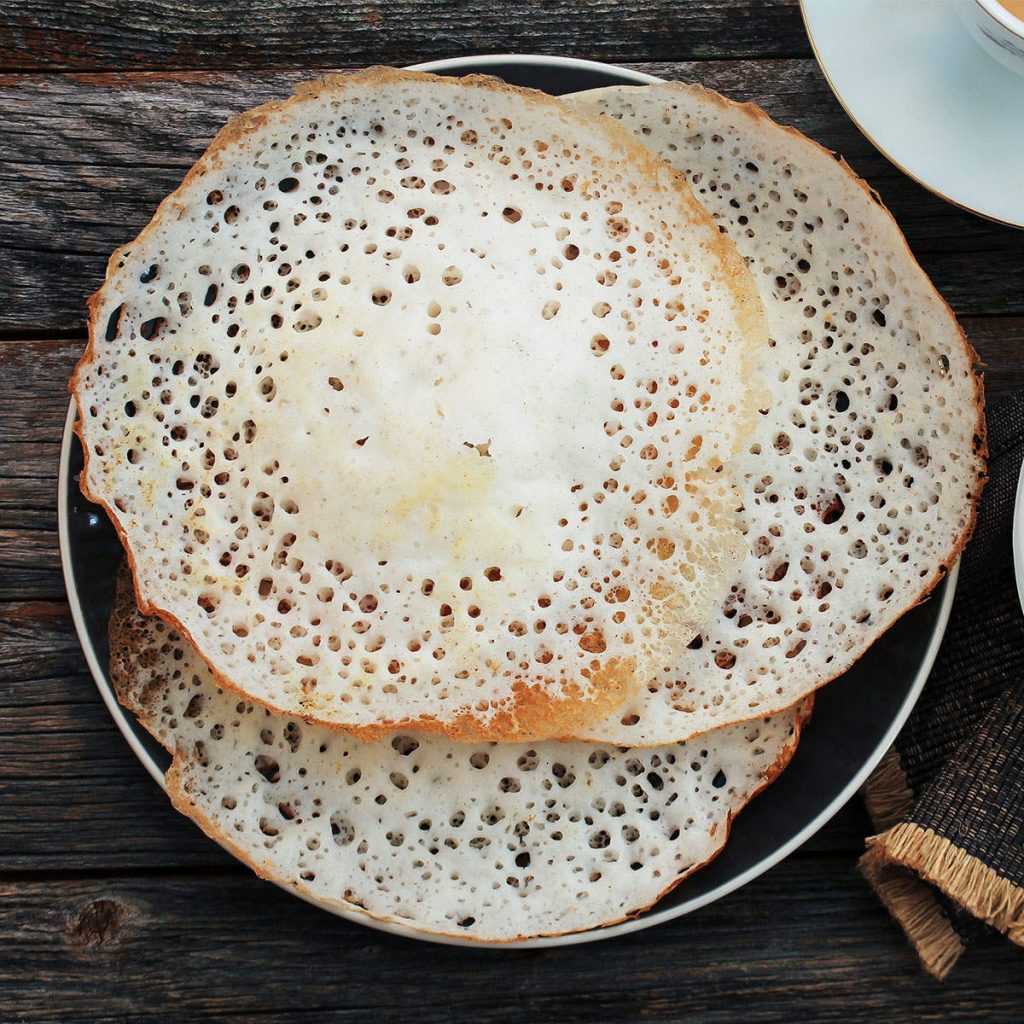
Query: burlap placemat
(949,795)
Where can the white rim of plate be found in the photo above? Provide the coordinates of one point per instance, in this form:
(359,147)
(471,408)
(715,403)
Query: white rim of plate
(1018,537)
(648,920)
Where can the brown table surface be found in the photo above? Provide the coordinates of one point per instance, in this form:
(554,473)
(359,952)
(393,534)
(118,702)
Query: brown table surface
(114,908)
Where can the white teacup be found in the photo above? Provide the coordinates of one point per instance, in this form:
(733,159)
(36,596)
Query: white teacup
(998,31)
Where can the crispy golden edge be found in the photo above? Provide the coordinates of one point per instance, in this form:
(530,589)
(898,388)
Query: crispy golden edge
(609,688)
(980,452)
(125,641)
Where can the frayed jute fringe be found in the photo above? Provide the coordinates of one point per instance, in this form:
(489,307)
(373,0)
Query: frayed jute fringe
(887,794)
(914,906)
(963,878)
(889,799)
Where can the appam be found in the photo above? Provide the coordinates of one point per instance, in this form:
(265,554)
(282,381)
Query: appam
(411,407)
(494,842)
(860,481)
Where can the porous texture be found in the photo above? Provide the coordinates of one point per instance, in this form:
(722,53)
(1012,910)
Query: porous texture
(860,480)
(488,841)
(411,404)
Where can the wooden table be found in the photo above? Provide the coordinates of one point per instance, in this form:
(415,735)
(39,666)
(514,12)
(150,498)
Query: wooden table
(114,908)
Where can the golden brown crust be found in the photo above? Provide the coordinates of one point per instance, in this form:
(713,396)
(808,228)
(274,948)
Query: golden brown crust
(533,714)
(566,716)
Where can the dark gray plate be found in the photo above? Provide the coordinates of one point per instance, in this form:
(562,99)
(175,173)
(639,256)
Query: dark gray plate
(855,718)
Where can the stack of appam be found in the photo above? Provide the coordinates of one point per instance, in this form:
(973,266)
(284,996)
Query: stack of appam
(500,475)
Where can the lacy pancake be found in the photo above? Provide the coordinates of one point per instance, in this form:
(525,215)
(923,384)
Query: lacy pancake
(860,480)
(487,841)
(411,407)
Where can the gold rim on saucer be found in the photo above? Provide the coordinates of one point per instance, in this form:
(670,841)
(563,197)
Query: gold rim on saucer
(874,142)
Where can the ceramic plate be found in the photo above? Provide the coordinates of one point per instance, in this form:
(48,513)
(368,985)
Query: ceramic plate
(926,94)
(855,718)
(1018,537)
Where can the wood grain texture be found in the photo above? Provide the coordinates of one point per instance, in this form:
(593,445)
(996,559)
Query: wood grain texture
(72,793)
(113,907)
(230,948)
(85,159)
(158,34)
(33,380)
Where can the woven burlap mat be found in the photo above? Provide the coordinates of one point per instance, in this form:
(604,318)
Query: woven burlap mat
(948,798)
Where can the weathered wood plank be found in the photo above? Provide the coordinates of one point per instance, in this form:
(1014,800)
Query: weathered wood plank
(37,641)
(72,793)
(1000,343)
(85,159)
(33,378)
(30,565)
(103,34)
(29,557)
(807,940)
(69,784)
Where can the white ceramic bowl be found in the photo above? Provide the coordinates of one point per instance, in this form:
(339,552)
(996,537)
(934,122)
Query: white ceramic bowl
(998,32)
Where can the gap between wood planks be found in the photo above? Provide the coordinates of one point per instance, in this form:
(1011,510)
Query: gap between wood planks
(648,65)
(234,870)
